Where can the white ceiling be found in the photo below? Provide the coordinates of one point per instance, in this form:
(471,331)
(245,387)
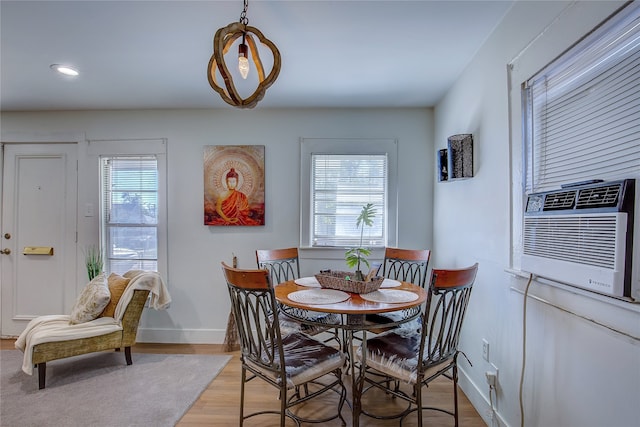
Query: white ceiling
(154,54)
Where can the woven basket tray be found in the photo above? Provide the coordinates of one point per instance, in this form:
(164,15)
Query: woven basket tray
(337,280)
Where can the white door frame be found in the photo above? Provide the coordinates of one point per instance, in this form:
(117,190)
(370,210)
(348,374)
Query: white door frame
(15,138)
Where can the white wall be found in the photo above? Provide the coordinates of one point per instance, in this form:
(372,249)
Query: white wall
(578,372)
(200,306)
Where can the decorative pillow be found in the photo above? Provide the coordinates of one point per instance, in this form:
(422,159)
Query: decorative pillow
(117,285)
(92,300)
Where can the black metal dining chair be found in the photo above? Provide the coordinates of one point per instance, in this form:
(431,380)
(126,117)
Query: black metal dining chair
(289,362)
(406,265)
(284,265)
(417,357)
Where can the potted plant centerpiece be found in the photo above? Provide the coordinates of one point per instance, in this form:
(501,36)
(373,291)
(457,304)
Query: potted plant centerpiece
(355,256)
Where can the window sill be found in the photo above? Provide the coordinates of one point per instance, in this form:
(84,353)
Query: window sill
(626,303)
(612,314)
(334,252)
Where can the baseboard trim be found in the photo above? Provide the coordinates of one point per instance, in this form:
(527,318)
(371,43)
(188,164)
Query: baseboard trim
(181,336)
(479,400)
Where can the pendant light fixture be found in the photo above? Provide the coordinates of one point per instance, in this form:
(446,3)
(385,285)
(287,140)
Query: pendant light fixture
(248,61)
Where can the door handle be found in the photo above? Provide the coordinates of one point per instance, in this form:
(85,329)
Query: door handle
(6,251)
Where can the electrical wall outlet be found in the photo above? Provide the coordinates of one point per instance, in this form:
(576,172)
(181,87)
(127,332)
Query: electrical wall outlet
(492,376)
(485,349)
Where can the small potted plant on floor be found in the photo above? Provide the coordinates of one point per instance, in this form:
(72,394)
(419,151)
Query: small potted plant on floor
(93,261)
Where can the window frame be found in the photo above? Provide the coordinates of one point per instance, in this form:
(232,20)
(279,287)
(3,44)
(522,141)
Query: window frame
(346,146)
(132,148)
(526,64)
(564,139)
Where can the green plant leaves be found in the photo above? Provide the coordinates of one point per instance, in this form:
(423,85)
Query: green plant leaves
(366,217)
(355,256)
(93,261)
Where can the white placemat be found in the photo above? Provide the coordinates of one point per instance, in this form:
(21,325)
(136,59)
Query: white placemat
(390,283)
(390,296)
(318,296)
(310,282)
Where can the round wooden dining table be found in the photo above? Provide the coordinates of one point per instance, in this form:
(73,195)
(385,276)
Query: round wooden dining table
(355,308)
(353,311)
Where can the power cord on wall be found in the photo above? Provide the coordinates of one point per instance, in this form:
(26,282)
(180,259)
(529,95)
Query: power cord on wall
(524,347)
(492,389)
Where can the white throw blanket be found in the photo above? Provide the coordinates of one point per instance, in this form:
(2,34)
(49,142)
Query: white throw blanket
(146,281)
(53,328)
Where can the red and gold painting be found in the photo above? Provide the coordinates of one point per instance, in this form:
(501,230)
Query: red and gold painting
(234,185)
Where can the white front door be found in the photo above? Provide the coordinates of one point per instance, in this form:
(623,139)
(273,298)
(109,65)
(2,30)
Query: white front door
(38,233)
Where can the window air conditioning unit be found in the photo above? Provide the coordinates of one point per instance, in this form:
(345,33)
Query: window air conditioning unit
(582,235)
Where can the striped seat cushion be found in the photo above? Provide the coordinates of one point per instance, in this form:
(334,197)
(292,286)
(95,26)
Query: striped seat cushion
(395,353)
(305,359)
(289,325)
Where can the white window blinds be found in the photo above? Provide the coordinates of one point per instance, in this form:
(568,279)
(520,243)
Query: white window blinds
(582,112)
(130,212)
(341,184)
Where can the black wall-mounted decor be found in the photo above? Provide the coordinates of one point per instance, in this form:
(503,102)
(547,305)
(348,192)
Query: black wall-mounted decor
(456,161)
(443,165)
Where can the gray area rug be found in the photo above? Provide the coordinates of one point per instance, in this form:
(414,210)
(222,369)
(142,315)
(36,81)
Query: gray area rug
(100,390)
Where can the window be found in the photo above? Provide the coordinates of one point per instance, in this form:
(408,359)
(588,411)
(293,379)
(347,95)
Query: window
(341,185)
(338,178)
(133,217)
(582,111)
(578,117)
(130,212)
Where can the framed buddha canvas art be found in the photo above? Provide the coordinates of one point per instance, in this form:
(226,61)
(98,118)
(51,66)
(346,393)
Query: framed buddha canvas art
(234,185)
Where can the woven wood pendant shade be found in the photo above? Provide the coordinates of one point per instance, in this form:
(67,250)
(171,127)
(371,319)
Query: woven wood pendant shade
(222,41)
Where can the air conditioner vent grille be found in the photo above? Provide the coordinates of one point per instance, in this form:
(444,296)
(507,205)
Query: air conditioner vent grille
(599,197)
(559,200)
(583,235)
(583,240)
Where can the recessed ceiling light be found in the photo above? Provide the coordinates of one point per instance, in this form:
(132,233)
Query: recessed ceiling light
(64,69)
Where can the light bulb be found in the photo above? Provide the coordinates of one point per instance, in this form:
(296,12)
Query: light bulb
(243,60)
(243,66)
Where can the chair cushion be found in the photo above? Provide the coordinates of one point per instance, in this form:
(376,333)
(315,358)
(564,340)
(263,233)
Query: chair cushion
(305,359)
(394,317)
(117,285)
(395,353)
(288,325)
(92,300)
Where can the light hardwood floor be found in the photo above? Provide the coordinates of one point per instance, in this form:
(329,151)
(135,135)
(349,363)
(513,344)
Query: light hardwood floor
(219,403)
